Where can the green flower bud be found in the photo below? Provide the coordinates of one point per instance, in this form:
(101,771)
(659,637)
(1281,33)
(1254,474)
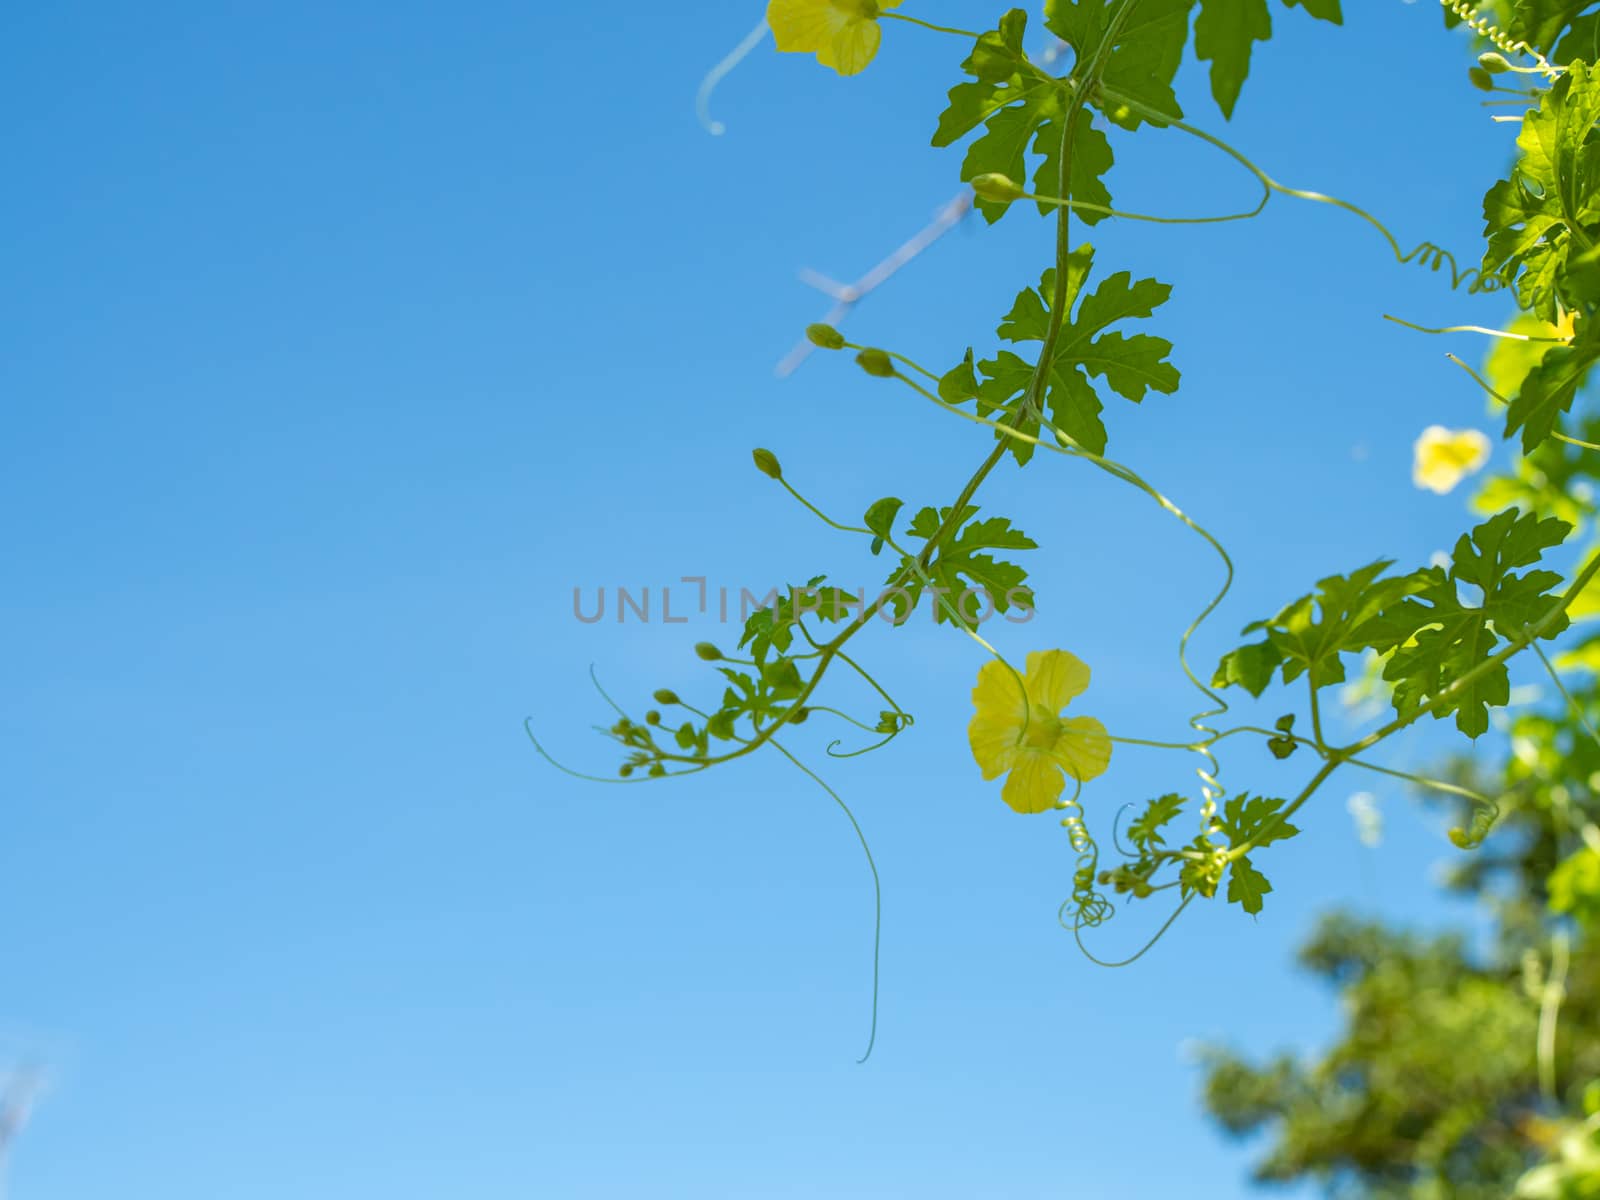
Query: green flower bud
(652,717)
(799,715)
(876,363)
(767,463)
(995,186)
(707,651)
(1493,63)
(825,336)
(657,770)
(1481,79)
(625,771)
(665,696)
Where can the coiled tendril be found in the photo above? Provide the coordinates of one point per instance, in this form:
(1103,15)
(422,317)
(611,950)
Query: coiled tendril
(1502,41)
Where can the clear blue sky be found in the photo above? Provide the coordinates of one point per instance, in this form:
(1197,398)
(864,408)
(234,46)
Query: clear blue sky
(339,343)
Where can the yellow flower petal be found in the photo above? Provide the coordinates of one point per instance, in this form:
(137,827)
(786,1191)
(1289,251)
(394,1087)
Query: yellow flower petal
(996,727)
(1083,748)
(843,34)
(1055,677)
(1034,784)
(998,696)
(805,26)
(994,745)
(853,48)
(1444,457)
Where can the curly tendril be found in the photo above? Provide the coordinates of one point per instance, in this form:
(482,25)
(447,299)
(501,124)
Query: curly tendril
(1504,42)
(1428,254)
(1088,904)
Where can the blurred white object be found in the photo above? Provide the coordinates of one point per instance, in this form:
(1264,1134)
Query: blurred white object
(1363,808)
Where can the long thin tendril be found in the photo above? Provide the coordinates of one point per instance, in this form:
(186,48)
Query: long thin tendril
(1428,254)
(1483,329)
(894,16)
(1484,384)
(877,888)
(1078,926)
(1572,702)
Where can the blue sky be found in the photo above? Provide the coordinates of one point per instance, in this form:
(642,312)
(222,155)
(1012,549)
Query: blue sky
(342,342)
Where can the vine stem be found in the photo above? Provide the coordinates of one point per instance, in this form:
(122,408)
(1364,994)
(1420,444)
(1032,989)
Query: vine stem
(894,16)
(1080,92)
(1515,646)
(1338,757)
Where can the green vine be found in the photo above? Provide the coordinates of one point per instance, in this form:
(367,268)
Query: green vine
(1442,655)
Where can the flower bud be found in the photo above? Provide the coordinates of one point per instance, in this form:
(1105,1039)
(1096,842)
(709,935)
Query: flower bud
(995,186)
(707,651)
(664,696)
(1481,79)
(625,771)
(652,717)
(1493,63)
(767,463)
(876,363)
(825,336)
(799,715)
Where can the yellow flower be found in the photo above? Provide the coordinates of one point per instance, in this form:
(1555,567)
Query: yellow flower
(843,34)
(1444,457)
(1028,736)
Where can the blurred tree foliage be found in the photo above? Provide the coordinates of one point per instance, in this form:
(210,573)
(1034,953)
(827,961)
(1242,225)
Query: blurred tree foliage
(1467,1070)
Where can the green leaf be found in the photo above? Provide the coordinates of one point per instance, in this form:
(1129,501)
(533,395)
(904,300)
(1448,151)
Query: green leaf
(881,516)
(1314,632)
(1254,822)
(959,567)
(1581,42)
(1438,639)
(1144,58)
(1145,830)
(1132,365)
(1021,109)
(1550,387)
(1541,220)
(771,627)
(1224,34)
(1323,10)
(1003,149)
(1284,745)
(1250,667)
(1246,885)
(1541,22)
(1575,886)
(1091,161)
(1226,31)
